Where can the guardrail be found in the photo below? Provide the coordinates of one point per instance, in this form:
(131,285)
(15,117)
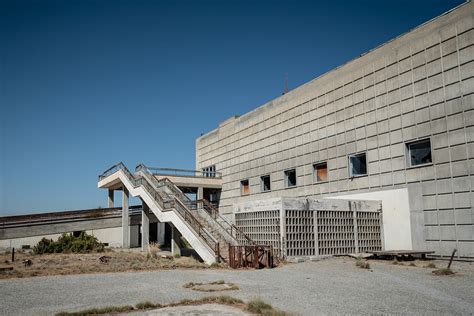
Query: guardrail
(255,256)
(166,201)
(181,172)
(233,230)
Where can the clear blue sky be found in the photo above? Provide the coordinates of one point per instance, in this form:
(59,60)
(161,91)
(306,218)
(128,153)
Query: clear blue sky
(86,84)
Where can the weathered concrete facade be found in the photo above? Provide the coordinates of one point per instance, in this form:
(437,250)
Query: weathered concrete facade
(418,86)
(105,224)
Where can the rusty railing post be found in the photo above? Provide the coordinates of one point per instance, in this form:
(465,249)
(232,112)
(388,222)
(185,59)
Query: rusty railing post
(452,257)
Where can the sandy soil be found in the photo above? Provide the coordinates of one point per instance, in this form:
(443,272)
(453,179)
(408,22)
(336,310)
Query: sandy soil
(64,264)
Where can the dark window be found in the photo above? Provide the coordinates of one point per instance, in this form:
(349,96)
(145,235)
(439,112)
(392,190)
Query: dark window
(357,165)
(244,187)
(320,172)
(290,178)
(419,153)
(76,233)
(209,172)
(265,183)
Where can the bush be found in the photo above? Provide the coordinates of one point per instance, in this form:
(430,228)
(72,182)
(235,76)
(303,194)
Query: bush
(68,243)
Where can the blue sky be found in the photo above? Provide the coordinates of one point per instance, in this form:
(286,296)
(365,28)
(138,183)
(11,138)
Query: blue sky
(86,84)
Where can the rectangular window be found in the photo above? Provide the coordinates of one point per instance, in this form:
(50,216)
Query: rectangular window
(265,183)
(419,153)
(320,172)
(209,172)
(244,187)
(290,178)
(357,165)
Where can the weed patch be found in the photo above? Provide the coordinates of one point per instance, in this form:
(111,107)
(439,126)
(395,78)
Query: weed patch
(214,286)
(443,271)
(99,311)
(362,264)
(256,306)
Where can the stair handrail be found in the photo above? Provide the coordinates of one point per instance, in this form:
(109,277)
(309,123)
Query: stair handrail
(184,212)
(163,182)
(186,200)
(216,214)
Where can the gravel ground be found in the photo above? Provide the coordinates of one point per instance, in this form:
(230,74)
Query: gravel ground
(325,287)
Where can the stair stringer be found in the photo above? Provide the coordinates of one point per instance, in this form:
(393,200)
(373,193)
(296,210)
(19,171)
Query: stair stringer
(200,246)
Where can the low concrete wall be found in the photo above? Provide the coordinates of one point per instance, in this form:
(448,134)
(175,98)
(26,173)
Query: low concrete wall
(111,236)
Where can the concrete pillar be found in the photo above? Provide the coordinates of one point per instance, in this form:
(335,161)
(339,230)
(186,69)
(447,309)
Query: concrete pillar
(125,220)
(145,227)
(160,232)
(175,241)
(200,196)
(111,198)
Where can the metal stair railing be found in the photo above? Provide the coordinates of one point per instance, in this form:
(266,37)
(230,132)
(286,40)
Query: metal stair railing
(167,203)
(165,182)
(230,228)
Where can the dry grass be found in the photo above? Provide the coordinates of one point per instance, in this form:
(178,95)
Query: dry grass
(361,263)
(153,249)
(431,265)
(255,306)
(99,311)
(215,286)
(443,271)
(63,264)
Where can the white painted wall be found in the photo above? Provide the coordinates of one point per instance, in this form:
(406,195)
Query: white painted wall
(395,216)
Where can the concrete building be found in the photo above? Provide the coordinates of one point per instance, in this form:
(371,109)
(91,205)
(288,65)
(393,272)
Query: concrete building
(394,125)
(377,154)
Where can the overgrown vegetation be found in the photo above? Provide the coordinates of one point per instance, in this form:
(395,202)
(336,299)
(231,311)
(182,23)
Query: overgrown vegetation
(146,305)
(74,263)
(153,249)
(361,263)
(214,286)
(99,311)
(443,271)
(255,306)
(67,243)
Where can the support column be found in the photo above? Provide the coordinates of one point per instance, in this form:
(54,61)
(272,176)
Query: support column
(111,198)
(175,241)
(200,196)
(160,232)
(125,220)
(145,227)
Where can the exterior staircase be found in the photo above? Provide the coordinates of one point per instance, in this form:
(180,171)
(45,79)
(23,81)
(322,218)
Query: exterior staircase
(199,222)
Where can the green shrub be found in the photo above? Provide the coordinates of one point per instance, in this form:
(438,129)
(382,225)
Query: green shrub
(68,243)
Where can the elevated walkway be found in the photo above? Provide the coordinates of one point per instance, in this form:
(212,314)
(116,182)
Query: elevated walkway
(197,221)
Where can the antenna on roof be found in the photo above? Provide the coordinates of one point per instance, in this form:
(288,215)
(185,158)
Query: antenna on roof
(286,84)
